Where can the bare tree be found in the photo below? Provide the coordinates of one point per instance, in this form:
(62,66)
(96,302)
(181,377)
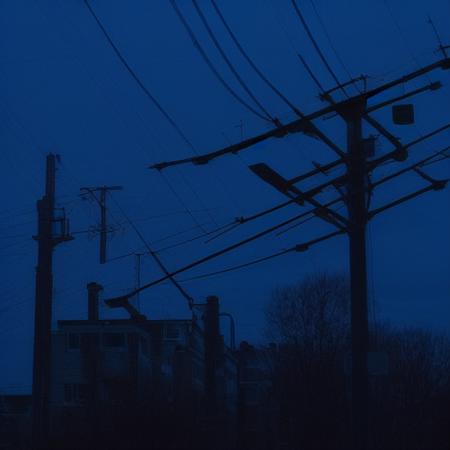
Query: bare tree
(409,405)
(311,322)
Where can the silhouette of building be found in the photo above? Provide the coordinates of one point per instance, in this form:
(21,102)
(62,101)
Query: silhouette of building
(15,421)
(151,379)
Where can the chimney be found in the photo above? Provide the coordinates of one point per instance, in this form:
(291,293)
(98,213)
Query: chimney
(93,291)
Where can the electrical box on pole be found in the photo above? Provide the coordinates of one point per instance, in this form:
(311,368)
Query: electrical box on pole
(403,114)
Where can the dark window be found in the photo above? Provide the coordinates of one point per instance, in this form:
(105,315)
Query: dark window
(114,340)
(76,393)
(68,393)
(172,332)
(144,345)
(73,341)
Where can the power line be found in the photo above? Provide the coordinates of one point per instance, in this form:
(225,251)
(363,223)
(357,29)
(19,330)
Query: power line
(151,97)
(309,129)
(136,78)
(433,186)
(181,201)
(177,128)
(216,233)
(251,62)
(316,45)
(217,254)
(155,256)
(209,63)
(402,36)
(228,62)
(330,41)
(296,248)
(304,124)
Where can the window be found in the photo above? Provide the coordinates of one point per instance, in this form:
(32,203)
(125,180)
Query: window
(73,341)
(114,340)
(172,332)
(76,393)
(198,372)
(144,345)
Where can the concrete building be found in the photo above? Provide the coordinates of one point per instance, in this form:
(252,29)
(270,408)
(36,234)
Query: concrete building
(110,375)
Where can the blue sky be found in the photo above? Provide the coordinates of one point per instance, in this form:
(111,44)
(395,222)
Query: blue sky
(63,90)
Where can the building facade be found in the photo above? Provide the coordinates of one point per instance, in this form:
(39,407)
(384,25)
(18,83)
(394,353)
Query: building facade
(154,380)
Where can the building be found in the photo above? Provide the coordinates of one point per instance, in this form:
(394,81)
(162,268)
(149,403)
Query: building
(146,379)
(15,415)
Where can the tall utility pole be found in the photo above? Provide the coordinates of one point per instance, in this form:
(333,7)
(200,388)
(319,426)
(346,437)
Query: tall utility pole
(103,219)
(43,305)
(358,215)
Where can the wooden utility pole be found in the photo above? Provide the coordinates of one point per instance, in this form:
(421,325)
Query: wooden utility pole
(43,306)
(103,219)
(357,215)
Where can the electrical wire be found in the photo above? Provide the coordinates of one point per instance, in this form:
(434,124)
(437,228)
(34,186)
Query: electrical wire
(119,301)
(178,197)
(403,37)
(211,66)
(316,46)
(237,267)
(297,248)
(223,251)
(201,236)
(330,42)
(156,103)
(155,255)
(136,77)
(228,62)
(311,73)
(251,62)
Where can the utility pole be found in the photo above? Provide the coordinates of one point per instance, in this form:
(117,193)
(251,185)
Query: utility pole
(103,219)
(358,214)
(47,241)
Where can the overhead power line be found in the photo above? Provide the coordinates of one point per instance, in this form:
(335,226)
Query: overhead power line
(158,105)
(296,248)
(123,300)
(119,301)
(136,77)
(330,41)
(228,62)
(155,255)
(211,66)
(251,62)
(316,45)
(304,124)
(309,128)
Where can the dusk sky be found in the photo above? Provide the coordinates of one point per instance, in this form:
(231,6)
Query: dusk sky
(64,90)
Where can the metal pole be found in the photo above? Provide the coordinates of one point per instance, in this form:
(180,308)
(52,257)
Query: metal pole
(357,208)
(43,312)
